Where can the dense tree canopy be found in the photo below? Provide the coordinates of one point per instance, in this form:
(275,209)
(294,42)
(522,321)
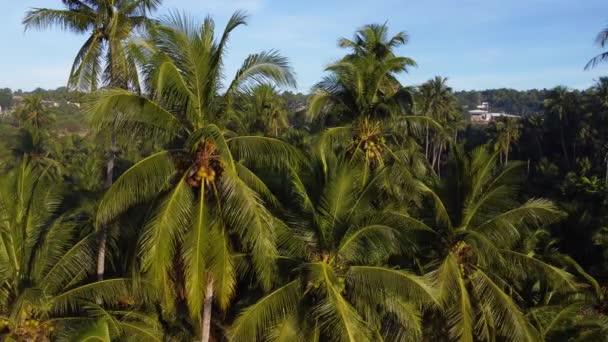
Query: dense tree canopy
(369,210)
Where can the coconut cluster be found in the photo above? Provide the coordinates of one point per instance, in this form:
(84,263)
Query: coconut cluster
(369,140)
(207,167)
(32,330)
(465,257)
(373,148)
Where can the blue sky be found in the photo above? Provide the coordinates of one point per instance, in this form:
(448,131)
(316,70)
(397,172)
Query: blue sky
(478,44)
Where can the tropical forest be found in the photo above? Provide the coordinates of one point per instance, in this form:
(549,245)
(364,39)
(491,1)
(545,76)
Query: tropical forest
(159,196)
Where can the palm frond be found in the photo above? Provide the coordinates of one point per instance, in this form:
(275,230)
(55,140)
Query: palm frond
(254,321)
(261,68)
(264,152)
(163,234)
(43,18)
(526,266)
(509,319)
(222,267)
(508,225)
(131,112)
(142,182)
(338,318)
(245,214)
(196,244)
(377,280)
(106,291)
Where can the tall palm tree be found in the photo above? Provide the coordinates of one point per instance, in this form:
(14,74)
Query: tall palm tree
(475,263)
(559,103)
(44,267)
(507,133)
(104,57)
(363,96)
(436,101)
(363,83)
(337,283)
(602,41)
(535,125)
(209,204)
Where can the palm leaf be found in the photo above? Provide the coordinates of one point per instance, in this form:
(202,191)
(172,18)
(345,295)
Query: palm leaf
(140,183)
(257,319)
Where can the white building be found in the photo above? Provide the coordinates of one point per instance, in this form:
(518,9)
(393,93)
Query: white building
(483,115)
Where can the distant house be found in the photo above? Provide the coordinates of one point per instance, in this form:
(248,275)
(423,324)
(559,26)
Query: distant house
(482,114)
(50,103)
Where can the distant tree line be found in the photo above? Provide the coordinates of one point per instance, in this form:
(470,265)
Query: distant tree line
(521,102)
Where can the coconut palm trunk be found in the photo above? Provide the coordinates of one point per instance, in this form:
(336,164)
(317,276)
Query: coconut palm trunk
(103,231)
(206,325)
(563,143)
(426,145)
(508,148)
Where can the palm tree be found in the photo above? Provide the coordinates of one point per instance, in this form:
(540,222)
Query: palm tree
(559,103)
(34,115)
(45,265)
(535,124)
(264,109)
(507,133)
(364,97)
(363,83)
(37,122)
(337,284)
(436,101)
(372,41)
(105,56)
(601,40)
(475,260)
(209,204)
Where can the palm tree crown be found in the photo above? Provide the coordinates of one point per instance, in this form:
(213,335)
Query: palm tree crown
(602,41)
(104,56)
(479,224)
(363,83)
(335,262)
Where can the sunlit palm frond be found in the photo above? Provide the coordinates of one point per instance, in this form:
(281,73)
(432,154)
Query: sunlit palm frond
(337,317)
(106,291)
(42,18)
(245,214)
(164,233)
(254,321)
(142,182)
(264,152)
(133,114)
(262,68)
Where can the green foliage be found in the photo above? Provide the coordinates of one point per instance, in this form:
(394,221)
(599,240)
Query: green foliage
(367,211)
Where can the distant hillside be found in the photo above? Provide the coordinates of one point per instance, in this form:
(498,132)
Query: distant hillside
(510,101)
